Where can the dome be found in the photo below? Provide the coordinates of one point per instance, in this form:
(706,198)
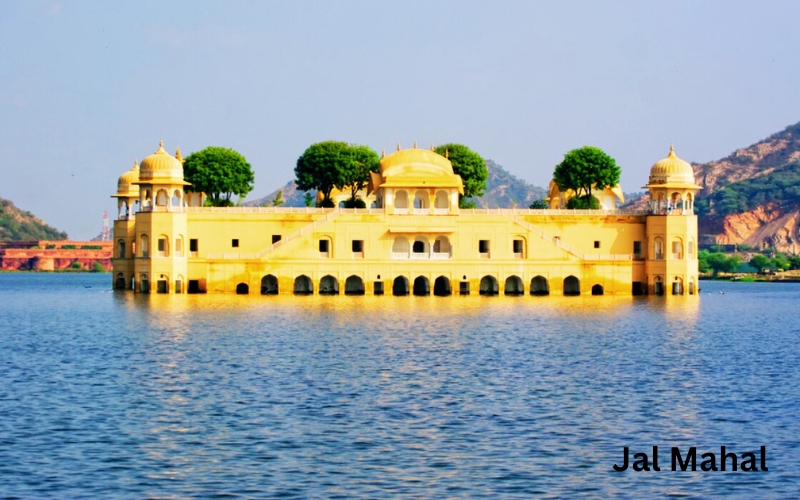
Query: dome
(416,160)
(161,166)
(672,170)
(127,184)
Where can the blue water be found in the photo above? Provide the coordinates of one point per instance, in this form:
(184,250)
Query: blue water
(111,395)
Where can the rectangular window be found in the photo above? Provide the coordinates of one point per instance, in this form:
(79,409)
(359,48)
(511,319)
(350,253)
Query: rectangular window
(162,244)
(235,243)
(276,238)
(483,247)
(179,247)
(518,246)
(323,246)
(178,286)
(378,288)
(358,246)
(193,248)
(463,288)
(161,286)
(596,244)
(637,249)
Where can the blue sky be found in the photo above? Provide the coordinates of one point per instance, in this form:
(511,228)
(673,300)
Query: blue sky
(87,87)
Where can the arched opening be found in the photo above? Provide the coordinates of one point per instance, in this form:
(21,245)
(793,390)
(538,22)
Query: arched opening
(489,286)
(162,198)
(421,200)
(691,249)
(135,207)
(401,202)
(120,249)
(163,246)
(179,284)
(400,247)
(123,208)
(422,286)
(514,286)
(421,247)
(176,199)
(597,290)
(146,200)
(441,247)
(658,286)
(572,286)
(144,283)
(689,205)
(677,248)
(354,285)
(677,286)
(692,287)
(329,285)
(303,285)
(179,246)
(400,286)
(242,289)
(658,248)
(539,286)
(675,202)
(120,283)
(145,245)
(269,285)
(442,201)
(441,286)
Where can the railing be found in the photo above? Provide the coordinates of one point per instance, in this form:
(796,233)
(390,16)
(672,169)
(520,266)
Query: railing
(441,255)
(400,211)
(399,255)
(264,210)
(517,255)
(420,256)
(416,211)
(422,211)
(441,211)
(530,211)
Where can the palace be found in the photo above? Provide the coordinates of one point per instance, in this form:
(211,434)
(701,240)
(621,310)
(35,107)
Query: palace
(413,239)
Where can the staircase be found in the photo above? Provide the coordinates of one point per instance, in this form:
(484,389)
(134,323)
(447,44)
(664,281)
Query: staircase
(564,246)
(302,231)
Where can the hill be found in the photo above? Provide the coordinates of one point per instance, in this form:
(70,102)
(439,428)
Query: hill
(503,189)
(17,225)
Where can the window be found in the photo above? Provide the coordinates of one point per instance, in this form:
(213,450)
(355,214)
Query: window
(517,246)
(121,249)
(193,248)
(691,253)
(677,250)
(483,248)
(419,247)
(358,247)
(637,249)
(596,244)
(276,238)
(179,247)
(235,243)
(324,246)
(162,247)
(658,248)
(145,246)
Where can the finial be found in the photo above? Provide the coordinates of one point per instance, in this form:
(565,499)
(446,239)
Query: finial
(431,145)
(135,164)
(383,154)
(446,153)
(671,151)
(178,155)
(161,143)
(398,145)
(415,144)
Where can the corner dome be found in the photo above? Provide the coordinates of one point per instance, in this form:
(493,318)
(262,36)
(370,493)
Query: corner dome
(671,170)
(161,166)
(127,186)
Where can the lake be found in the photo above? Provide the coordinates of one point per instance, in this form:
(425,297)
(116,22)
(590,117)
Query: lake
(115,395)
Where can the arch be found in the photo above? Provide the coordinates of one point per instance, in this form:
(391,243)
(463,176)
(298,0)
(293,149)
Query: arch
(242,289)
(441,286)
(422,199)
(692,286)
(539,286)
(677,248)
(374,204)
(677,286)
(691,249)
(514,286)
(441,200)
(658,286)
(179,246)
(489,285)
(162,249)
(303,285)
(134,208)
(144,283)
(123,207)
(422,286)
(400,286)
(421,245)
(176,198)
(354,285)
(269,285)
(120,248)
(162,198)
(401,199)
(400,245)
(145,241)
(328,285)
(658,248)
(147,202)
(179,284)
(689,205)
(572,286)
(120,283)
(442,245)
(597,290)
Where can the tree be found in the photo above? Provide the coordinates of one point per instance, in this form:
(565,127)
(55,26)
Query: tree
(794,262)
(702,261)
(720,263)
(322,166)
(584,170)
(539,205)
(760,262)
(308,199)
(363,160)
(278,201)
(470,166)
(220,173)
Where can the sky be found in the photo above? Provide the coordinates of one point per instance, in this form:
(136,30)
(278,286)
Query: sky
(88,87)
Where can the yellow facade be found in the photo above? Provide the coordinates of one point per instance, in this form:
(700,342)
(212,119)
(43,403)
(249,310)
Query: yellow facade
(416,240)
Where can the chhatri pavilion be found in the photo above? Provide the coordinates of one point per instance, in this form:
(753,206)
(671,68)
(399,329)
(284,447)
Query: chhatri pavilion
(413,240)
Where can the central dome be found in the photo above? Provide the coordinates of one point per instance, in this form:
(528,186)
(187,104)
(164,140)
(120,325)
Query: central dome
(416,160)
(161,166)
(127,184)
(671,170)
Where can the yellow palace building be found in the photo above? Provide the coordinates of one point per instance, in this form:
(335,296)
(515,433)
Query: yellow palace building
(414,240)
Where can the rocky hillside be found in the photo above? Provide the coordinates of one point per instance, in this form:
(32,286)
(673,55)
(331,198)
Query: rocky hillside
(751,196)
(502,190)
(17,225)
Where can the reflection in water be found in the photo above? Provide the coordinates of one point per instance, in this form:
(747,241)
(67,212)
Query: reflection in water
(115,394)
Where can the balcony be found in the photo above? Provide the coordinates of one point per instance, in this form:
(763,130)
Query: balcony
(422,211)
(441,211)
(441,256)
(400,211)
